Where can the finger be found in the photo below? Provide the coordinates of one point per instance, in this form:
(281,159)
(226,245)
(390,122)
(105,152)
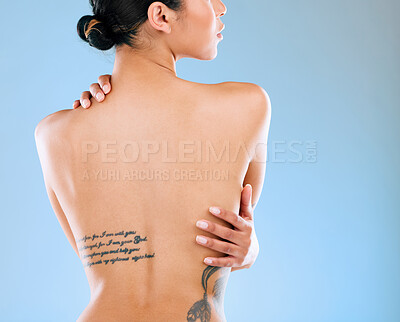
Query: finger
(85,99)
(76,104)
(227,261)
(230,217)
(221,231)
(105,83)
(97,92)
(246,210)
(220,246)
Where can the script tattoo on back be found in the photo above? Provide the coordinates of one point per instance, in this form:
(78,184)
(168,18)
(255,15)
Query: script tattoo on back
(201,310)
(109,247)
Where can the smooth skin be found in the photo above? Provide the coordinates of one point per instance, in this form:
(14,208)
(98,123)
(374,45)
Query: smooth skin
(244,248)
(150,103)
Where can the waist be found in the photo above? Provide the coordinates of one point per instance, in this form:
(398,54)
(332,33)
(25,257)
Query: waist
(180,303)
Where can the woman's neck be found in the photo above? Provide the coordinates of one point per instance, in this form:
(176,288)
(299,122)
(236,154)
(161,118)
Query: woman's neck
(130,64)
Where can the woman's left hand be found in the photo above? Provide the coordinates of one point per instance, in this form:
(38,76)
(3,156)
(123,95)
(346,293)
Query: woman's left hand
(97,90)
(242,246)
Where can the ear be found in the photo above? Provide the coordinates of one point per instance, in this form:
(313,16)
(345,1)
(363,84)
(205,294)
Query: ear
(160,16)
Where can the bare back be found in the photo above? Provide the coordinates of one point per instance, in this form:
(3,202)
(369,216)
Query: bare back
(129,178)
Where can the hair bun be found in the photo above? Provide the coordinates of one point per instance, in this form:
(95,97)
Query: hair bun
(92,30)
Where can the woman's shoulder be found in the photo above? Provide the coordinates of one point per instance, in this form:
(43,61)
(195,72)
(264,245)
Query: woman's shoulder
(248,101)
(243,94)
(55,125)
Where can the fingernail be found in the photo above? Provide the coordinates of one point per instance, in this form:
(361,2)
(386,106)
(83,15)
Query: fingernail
(201,224)
(201,240)
(207,261)
(99,96)
(215,210)
(106,88)
(85,103)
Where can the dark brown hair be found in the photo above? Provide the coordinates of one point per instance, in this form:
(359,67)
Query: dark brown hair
(116,22)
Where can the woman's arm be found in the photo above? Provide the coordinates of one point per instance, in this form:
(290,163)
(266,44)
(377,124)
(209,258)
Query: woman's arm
(45,149)
(243,247)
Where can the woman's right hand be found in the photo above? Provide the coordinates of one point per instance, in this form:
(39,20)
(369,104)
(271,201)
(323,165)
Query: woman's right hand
(97,90)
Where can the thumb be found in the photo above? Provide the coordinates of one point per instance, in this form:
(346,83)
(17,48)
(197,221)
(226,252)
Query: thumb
(245,203)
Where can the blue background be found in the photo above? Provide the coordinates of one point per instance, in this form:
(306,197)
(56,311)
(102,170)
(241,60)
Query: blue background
(329,229)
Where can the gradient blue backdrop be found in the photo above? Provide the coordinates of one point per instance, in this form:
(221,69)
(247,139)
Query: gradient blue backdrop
(329,230)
